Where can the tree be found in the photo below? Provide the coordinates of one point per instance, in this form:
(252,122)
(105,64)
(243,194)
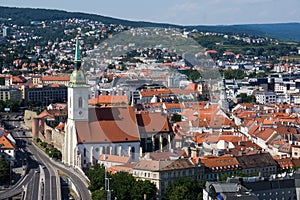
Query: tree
(176,118)
(122,184)
(184,188)
(4,171)
(13,105)
(99,195)
(234,74)
(96,176)
(142,188)
(193,75)
(247,99)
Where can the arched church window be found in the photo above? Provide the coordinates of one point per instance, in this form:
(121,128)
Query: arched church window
(70,102)
(80,102)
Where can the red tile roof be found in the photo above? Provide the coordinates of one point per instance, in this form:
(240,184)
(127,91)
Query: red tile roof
(222,163)
(153,122)
(114,158)
(109,99)
(5,143)
(56,78)
(109,124)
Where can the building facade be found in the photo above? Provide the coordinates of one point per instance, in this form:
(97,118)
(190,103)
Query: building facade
(9,93)
(45,94)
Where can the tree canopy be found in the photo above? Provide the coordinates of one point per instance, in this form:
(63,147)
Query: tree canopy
(122,185)
(4,171)
(184,188)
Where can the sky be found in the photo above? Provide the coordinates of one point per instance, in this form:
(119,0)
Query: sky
(181,12)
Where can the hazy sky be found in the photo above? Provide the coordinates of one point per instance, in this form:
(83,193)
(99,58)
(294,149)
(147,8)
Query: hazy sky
(186,12)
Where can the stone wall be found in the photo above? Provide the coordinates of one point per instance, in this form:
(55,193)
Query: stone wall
(51,136)
(28,116)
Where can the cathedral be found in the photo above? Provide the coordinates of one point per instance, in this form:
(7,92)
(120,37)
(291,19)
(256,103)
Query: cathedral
(93,131)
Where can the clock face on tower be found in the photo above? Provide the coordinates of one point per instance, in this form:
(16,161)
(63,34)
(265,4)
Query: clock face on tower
(80,113)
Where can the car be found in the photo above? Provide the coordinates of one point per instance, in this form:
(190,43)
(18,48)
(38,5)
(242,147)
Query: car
(43,166)
(36,170)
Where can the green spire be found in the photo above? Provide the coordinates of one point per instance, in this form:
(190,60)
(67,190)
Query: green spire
(77,59)
(77,78)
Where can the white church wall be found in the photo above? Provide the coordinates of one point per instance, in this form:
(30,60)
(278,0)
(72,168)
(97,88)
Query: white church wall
(91,152)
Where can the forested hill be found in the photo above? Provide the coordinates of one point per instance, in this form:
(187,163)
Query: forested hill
(23,16)
(282,31)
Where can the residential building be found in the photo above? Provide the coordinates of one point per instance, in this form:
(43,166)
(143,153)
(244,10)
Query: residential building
(255,164)
(10,93)
(227,191)
(265,97)
(45,94)
(8,147)
(163,172)
(112,160)
(272,188)
(217,168)
(61,80)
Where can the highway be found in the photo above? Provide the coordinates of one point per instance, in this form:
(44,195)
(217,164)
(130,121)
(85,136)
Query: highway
(46,183)
(33,187)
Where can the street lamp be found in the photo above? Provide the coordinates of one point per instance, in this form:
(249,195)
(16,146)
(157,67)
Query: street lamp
(107,185)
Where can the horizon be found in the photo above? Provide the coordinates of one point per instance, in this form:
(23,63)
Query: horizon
(191,13)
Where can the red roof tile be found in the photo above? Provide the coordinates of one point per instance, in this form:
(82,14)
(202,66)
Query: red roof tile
(109,124)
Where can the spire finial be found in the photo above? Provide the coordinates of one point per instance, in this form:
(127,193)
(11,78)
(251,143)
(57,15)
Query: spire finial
(77,59)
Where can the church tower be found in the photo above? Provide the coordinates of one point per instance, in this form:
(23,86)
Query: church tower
(77,91)
(77,111)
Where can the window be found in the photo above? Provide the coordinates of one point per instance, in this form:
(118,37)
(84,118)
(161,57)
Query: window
(84,152)
(80,102)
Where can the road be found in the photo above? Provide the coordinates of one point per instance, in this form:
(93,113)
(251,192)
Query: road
(49,183)
(33,187)
(51,179)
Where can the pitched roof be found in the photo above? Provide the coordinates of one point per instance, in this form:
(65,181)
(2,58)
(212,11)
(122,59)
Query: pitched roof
(109,124)
(220,163)
(164,165)
(265,134)
(109,99)
(256,160)
(153,122)
(286,130)
(284,163)
(5,143)
(18,79)
(60,126)
(114,158)
(128,167)
(52,113)
(56,78)
(166,155)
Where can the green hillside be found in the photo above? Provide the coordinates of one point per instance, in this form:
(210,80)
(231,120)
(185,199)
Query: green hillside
(23,16)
